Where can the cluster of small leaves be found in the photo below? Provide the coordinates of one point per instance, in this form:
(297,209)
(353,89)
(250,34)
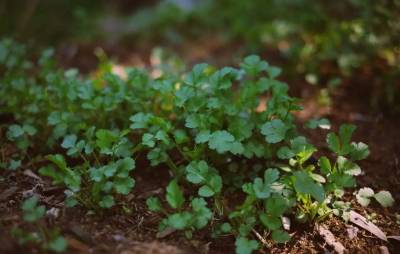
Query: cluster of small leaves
(221,133)
(384,198)
(48,239)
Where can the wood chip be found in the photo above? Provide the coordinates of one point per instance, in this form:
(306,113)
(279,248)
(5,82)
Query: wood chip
(362,222)
(330,239)
(286,223)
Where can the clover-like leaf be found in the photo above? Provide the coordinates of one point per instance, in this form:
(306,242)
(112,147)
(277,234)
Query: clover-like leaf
(124,185)
(384,198)
(276,205)
(271,222)
(32,212)
(245,246)
(107,201)
(274,131)
(174,195)
(262,187)
(180,220)
(280,236)
(223,141)
(325,165)
(59,244)
(304,184)
(69,141)
(197,172)
(359,151)
(140,121)
(148,140)
(202,214)
(153,204)
(253,65)
(364,195)
(203,137)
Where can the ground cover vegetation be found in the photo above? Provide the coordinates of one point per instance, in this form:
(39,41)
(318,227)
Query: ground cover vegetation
(234,168)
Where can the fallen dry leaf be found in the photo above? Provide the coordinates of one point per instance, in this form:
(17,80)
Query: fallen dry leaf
(362,222)
(384,250)
(394,237)
(330,239)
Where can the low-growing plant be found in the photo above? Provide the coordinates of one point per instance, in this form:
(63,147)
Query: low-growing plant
(228,138)
(46,238)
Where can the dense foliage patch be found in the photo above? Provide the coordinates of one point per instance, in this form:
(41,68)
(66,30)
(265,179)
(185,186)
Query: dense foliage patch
(236,167)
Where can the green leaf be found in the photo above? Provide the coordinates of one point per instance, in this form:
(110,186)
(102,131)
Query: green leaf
(32,212)
(206,191)
(271,175)
(322,123)
(192,122)
(384,198)
(124,166)
(58,244)
(274,131)
(59,160)
(223,141)
(69,141)
(29,129)
(276,205)
(154,204)
(14,164)
(148,140)
(162,136)
(124,185)
(273,71)
(107,201)
(139,121)
(174,195)
(15,131)
(180,136)
(202,214)
(262,189)
(203,137)
(345,133)
(364,196)
(180,220)
(359,151)
(226,227)
(280,236)
(285,153)
(245,246)
(271,222)
(253,65)
(325,165)
(304,184)
(197,172)
(333,142)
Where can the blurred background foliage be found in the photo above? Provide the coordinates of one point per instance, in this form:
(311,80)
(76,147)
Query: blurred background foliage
(322,42)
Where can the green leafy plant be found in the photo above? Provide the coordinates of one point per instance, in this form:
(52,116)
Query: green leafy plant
(233,167)
(364,195)
(47,239)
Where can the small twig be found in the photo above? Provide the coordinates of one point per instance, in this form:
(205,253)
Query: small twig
(262,239)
